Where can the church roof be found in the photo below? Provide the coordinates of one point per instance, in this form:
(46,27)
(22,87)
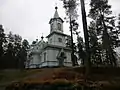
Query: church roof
(56,15)
(59,33)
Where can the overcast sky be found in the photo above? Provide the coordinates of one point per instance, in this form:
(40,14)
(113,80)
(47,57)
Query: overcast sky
(29,18)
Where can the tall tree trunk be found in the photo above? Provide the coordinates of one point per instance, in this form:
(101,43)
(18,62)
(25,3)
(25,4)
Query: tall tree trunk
(72,54)
(86,36)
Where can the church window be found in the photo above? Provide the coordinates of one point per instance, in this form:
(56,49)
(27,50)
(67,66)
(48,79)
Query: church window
(45,56)
(59,26)
(37,47)
(51,40)
(40,57)
(60,39)
(51,27)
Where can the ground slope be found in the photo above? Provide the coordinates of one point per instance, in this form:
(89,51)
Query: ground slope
(103,77)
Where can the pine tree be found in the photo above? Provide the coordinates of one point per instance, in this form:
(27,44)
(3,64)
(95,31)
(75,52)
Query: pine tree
(12,51)
(81,50)
(2,41)
(95,46)
(117,33)
(17,48)
(23,54)
(100,13)
(71,12)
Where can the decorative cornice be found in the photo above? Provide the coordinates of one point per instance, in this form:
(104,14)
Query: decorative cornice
(56,32)
(58,47)
(52,19)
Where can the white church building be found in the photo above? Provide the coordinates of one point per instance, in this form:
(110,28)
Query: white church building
(47,54)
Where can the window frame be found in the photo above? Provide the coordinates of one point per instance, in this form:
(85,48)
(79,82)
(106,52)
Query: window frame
(59,39)
(51,27)
(50,40)
(59,26)
(44,54)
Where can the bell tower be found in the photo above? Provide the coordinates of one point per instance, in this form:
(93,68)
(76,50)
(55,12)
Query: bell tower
(56,23)
(56,36)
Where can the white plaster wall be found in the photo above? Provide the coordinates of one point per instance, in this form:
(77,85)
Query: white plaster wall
(57,41)
(51,59)
(68,64)
(53,40)
(68,61)
(52,54)
(36,59)
(42,55)
(43,64)
(50,64)
(68,54)
(32,66)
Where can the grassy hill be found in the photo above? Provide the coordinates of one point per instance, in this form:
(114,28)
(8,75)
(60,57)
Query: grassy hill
(9,75)
(102,77)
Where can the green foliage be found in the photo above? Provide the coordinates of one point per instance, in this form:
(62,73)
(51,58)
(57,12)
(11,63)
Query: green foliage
(2,40)
(13,52)
(98,8)
(71,8)
(95,46)
(25,44)
(2,43)
(103,33)
(80,47)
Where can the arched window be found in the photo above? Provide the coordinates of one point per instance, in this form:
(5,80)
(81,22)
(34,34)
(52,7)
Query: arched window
(59,26)
(51,27)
